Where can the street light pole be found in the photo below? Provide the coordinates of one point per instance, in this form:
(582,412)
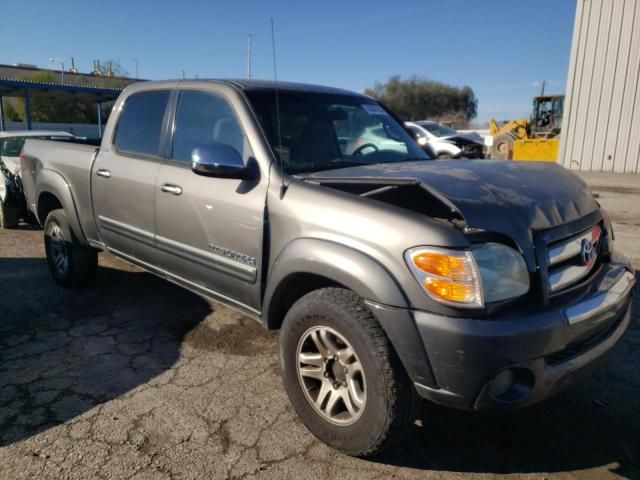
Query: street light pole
(249,37)
(56,60)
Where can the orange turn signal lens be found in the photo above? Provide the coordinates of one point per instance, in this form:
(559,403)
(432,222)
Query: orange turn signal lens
(442,265)
(447,275)
(451,291)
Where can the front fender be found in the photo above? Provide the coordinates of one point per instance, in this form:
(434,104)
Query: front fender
(446,147)
(341,264)
(370,280)
(52,182)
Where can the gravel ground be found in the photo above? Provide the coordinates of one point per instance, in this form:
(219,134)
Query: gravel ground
(133,377)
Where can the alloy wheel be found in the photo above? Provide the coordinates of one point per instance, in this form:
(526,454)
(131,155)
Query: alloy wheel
(331,375)
(59,250)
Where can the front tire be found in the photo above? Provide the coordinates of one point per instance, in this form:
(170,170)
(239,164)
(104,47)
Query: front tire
(8,215)
(502,148)
(342,375)
(71,264)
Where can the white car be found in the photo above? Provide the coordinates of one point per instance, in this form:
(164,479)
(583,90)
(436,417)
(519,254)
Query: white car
(375,138)
(445,142)
(12,203)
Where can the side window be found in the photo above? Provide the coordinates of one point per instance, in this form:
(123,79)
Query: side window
(201,118)
(140,124)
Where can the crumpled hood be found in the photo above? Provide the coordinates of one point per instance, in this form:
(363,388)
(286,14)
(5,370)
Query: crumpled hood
(512,198)
(469,137)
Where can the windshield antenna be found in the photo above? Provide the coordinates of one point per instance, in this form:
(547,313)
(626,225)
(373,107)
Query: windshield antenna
(283,187)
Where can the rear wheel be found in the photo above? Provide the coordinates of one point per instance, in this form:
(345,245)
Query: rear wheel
(445,156)
(342,375)
(71,264)
(8,215)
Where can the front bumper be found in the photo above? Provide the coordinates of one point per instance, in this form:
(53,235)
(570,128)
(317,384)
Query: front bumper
(460,358)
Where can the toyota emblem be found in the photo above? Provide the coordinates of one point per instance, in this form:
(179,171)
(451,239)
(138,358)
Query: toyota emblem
(587,252)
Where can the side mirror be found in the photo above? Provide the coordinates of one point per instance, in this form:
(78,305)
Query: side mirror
(217,160)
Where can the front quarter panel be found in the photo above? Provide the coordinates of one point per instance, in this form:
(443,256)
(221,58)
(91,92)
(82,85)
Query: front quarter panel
(336,262)
(375,234)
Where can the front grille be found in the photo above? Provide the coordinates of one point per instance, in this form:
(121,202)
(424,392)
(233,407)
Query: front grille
(571,259)
(473,151)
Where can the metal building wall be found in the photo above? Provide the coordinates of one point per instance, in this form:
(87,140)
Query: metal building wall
(601,124)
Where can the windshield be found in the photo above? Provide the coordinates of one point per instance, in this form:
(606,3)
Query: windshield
(438,130)
(12,146)
(419,133)
(322,131)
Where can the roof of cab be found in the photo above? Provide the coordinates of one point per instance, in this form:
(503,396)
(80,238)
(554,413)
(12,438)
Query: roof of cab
(245,84)
(254,85)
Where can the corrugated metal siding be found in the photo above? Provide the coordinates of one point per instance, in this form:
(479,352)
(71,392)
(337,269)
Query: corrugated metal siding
(601,125)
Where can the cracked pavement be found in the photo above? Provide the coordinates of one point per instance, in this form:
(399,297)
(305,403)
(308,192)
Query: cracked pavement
(135,378)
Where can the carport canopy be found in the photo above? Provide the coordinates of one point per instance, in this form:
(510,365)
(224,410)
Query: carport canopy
(28,89)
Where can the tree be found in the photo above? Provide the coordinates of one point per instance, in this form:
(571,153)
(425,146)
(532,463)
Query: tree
(418,98)
(117,70)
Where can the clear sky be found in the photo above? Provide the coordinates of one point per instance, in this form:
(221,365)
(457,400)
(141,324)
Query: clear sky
(501,48)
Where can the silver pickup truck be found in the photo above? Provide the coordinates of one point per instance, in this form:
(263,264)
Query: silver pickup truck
(479,285)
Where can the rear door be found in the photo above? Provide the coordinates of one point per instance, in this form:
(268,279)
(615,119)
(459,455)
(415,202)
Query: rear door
(210,230)
(124,175)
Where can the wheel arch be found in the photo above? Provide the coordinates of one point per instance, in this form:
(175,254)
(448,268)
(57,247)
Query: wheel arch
(305,265)
(53,192)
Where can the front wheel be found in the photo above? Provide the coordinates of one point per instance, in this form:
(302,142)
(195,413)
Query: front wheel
(342,375)
(502,148)
(71,264)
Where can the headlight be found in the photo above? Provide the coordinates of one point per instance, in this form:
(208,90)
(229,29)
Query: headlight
(448,276)
(503,271)
(490,272)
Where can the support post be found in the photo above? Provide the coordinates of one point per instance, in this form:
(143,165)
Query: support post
(100,119)
(27,107)
(2,128)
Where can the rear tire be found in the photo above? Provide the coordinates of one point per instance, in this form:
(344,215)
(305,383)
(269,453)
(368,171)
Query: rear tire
(8,215)
(376,407)
(445,156)
(71,264)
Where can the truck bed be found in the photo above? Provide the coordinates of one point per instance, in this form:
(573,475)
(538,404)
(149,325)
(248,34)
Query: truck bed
(48,160)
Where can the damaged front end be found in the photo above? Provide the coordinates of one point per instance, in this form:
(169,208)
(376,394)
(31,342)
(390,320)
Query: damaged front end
(408,193)
(515,200)
(470,148)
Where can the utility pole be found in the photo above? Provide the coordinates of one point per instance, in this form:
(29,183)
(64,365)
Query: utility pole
(136,62)
(183,76)
(54,61)
(544,83)
(249,37)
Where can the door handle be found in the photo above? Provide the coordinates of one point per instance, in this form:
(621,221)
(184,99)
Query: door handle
(103,173)
(170,188)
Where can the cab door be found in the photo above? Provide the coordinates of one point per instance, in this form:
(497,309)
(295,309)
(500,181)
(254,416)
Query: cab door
(210,230)
(123,179)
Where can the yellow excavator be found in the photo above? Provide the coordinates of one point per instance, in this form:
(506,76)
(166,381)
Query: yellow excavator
(535,138)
